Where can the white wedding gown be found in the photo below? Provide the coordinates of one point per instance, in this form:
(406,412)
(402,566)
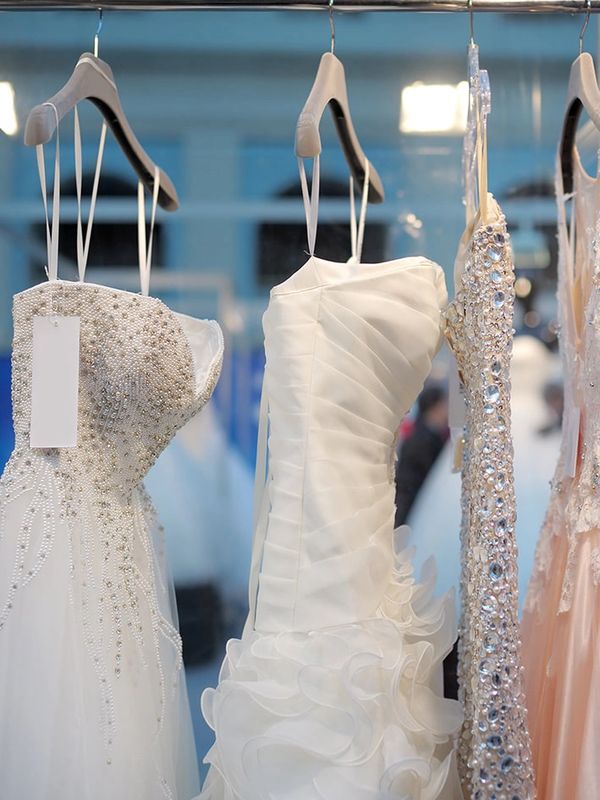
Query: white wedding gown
(93,703)
(334,691)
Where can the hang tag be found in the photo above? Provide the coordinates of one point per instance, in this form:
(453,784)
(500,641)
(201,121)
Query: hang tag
(55,382)
(572,425)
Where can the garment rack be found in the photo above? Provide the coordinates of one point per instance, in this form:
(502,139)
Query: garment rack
(512,6)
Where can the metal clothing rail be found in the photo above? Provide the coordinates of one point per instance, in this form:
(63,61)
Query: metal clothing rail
(539,6)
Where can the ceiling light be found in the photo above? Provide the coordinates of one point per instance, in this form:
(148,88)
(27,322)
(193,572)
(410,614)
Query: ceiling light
(434,108)
(8,116)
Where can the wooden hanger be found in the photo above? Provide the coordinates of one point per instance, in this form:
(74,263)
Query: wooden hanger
(329,89)
(93,80)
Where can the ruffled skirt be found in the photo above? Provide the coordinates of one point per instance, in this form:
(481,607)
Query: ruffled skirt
(351,712)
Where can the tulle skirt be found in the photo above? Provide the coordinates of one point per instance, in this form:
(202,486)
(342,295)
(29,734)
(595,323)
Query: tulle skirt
(93,703)
(351,712)
(561,655)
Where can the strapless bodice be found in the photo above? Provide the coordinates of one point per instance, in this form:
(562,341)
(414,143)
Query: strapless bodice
(348,348)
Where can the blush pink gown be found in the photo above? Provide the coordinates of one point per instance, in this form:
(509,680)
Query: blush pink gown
(561,623)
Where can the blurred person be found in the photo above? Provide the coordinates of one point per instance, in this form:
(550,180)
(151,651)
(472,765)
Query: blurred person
(421,447)
(434,519)
(554,398)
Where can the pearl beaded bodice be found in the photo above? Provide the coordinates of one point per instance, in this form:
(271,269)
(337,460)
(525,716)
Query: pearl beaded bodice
(138,381)
(144,372)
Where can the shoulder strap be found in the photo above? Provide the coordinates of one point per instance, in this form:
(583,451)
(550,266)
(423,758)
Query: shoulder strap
(357,233)
(145,248)
(83,249)
(311,201)
(566,240)
(51,233)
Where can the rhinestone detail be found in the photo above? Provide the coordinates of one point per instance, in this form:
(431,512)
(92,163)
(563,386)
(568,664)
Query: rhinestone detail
(494,752)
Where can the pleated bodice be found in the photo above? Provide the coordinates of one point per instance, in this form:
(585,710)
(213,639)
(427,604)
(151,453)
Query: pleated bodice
(348,348)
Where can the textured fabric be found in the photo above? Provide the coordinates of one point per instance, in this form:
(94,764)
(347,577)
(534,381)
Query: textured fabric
(494,747)
(92,691)
(334,690)
(561,622)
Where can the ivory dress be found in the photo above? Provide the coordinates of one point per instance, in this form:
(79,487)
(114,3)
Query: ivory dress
(561,623)
(93,703)
(335,688)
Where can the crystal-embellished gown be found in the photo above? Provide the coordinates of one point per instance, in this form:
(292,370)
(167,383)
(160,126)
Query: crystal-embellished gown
(93,703)
(335,688)
(561,623)
(494,748)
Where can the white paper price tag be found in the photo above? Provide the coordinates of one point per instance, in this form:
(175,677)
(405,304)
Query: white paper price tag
(572,424)
(55,382)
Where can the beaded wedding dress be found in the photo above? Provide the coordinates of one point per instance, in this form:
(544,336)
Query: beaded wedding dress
(92,690)
(561,623)
(335,688)
(494,754)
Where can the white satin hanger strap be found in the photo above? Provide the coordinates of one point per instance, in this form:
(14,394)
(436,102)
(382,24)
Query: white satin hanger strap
(311,200)
(145,248)
(357,233)
(261,507)
(482,167)
(566,235)
(51,233)
(83,248)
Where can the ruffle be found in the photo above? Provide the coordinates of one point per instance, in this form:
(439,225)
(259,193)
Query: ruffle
(350,711)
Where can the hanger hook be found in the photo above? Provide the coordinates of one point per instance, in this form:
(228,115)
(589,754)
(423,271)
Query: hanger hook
(97,34)
(471,22)
(588,6)
(332,26)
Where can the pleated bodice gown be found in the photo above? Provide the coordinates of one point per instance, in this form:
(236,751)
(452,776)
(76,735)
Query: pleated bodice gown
(334,690)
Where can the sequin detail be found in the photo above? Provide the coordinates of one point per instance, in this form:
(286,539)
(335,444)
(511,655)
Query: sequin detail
(137,388)
(494,747)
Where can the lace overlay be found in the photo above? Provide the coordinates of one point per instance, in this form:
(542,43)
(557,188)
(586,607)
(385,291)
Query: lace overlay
(575,504)
(138,386)
(494,748)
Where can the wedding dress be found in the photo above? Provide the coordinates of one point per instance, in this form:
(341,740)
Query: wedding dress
(92,690)
(494,748)
(335,688)
(561,622)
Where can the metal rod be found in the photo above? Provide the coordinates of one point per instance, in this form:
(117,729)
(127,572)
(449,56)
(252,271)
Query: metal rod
(502,6)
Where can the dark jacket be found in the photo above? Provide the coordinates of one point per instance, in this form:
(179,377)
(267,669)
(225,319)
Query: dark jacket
(417,455)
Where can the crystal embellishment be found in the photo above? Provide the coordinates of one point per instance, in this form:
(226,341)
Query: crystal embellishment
(494,752)
(138,387)
(491,393)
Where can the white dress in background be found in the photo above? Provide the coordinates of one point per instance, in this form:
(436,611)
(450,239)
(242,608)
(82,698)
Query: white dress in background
(335,688)
(434,519)
(93,702)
